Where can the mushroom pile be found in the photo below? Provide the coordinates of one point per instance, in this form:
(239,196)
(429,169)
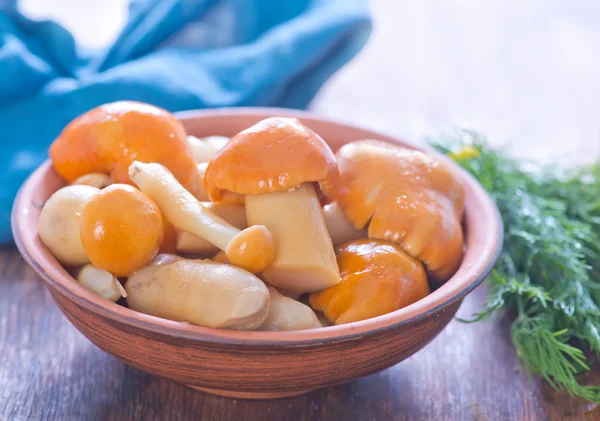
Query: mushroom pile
(267,230)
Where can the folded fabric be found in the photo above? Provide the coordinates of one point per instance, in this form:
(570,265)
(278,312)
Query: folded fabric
(175,54)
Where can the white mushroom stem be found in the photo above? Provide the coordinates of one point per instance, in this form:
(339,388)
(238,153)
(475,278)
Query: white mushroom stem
(288,314)
(179,206)
(200,292)
(205,148)
(340,228)
(94,179)
(305,260)
(233,213)
(201,193)
(252,249)
(101,282)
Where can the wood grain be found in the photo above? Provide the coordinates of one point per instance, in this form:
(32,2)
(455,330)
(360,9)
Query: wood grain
(49,371)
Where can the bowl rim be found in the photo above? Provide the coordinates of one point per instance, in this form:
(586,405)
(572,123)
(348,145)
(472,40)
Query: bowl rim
(424,308)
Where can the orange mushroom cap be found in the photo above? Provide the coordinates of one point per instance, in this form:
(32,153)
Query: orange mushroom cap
(377,277)
(121,229)
(274,155)
(410,198)
(107,139)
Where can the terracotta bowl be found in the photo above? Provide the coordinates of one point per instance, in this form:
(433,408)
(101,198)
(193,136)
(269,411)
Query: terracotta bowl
(259,364)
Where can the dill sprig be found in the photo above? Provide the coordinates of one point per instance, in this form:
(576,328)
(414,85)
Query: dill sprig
(549,271)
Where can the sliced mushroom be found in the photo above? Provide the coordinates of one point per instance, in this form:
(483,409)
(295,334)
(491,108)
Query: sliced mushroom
(200,292)
(252,249)
(274,164)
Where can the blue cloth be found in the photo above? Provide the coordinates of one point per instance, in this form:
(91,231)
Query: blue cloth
(177,54)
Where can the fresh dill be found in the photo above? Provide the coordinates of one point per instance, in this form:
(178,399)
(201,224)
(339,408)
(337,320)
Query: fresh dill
(549,271)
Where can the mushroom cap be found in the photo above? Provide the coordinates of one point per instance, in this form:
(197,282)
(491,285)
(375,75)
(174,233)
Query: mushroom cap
(121,229)
(410,198)
(377,277)
(274,155)
(108,138)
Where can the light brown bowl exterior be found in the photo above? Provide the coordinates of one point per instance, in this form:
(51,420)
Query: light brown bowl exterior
(259,364)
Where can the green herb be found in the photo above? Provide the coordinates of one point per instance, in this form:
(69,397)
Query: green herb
(549,270)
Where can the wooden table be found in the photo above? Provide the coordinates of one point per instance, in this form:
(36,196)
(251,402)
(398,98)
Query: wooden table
(49,371)
(424,69)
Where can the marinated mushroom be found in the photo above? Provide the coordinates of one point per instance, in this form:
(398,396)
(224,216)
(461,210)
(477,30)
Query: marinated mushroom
(233,213)
(406,197)
(107,139)
(170,236)
(58,225)
(227,197)
(377,278)
(101,282)
(121,229)
(94,179)
(288,314)
(275,165)
(205,148)
(252,249)
(165,258)
(200,292)
(221,257)
(271,205)
(339,227)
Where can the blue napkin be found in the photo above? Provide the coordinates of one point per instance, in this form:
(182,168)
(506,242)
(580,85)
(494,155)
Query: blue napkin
(178,55)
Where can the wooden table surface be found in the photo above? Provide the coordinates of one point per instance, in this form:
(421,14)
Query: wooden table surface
(425,69)
(49,371)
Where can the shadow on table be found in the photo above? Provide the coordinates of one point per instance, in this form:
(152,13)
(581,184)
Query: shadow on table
(125,393)
(377,397)
(113,391)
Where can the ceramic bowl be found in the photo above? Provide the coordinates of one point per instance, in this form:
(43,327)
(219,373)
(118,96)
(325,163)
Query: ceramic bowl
(260,364)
